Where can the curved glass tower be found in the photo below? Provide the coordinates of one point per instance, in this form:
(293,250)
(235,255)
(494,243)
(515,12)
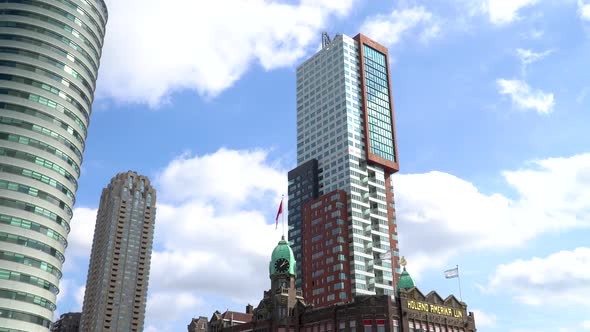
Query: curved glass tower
(49,57)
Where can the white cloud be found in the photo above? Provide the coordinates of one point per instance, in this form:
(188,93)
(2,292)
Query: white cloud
(228,251)
(389,29)
(484,319)
(79,296)
(158,306)
(207,223)
(586,324)
(65,285)
(203,46)
(82,232)
(440,215)
(562,277)
(528,57)
(584,10)
(226,176)
(524,97)
(500,12)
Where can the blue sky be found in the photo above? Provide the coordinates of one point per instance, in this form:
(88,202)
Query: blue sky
(492,102)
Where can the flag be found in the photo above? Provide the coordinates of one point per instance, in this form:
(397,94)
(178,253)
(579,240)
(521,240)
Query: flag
(452,273)
(385,255)
(278,214)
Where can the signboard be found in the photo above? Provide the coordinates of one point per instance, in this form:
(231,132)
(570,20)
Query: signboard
(434,309)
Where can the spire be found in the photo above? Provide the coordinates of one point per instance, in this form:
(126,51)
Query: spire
(405,280)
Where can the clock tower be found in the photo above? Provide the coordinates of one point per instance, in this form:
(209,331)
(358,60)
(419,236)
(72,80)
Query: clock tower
(283,294)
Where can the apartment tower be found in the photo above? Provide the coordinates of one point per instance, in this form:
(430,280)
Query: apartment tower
(117,283)
(342,224)
(49,57)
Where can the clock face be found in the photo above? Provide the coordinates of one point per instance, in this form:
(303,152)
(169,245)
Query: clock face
(282,265)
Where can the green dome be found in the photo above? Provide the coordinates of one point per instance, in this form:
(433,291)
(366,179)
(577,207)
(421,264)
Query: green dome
(282,250)
(405,281)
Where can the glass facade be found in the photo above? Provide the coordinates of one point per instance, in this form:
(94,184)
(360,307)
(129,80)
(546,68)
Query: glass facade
(303,187)
(49,58)
(378,103)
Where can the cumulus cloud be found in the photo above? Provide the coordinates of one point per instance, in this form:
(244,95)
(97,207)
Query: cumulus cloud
(524,97)
(584,10)
(212,212)
(389,29)
(228,251)
(79,296)
(226,176)
(203,46)
(82,232)
(500,12)
(440,214)
(586,324)
(158,306)
(562,277)
(484,319)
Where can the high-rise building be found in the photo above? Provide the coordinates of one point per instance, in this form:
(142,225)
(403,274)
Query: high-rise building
(345,142)
(68,322)
(117,283)
(49,57)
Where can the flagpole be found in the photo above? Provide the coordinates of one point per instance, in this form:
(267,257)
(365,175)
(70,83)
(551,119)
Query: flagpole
(283,215)
(459,279)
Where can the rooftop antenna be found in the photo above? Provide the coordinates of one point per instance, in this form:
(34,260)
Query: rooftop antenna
(325,39)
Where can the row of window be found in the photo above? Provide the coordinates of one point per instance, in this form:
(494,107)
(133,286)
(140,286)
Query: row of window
(16,204)
(25,317)
(56,23)
(48,88)
(28,279)
(30,243)
(38,144)
(41,146)
(52,35)
(65,14)
(26,297)
(416,326)
(374,55)
(46,60)
(103,10)
(44,116)
(13,186)
(30,225)
(37,176)
(30,261)
(40,44)
(46,102)
(38,161)
(50,75)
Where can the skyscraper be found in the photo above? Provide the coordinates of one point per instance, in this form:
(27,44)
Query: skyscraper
(117,283)
(345,141)
(49,58)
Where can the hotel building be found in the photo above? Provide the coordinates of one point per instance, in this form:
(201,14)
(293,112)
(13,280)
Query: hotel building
(346,148)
